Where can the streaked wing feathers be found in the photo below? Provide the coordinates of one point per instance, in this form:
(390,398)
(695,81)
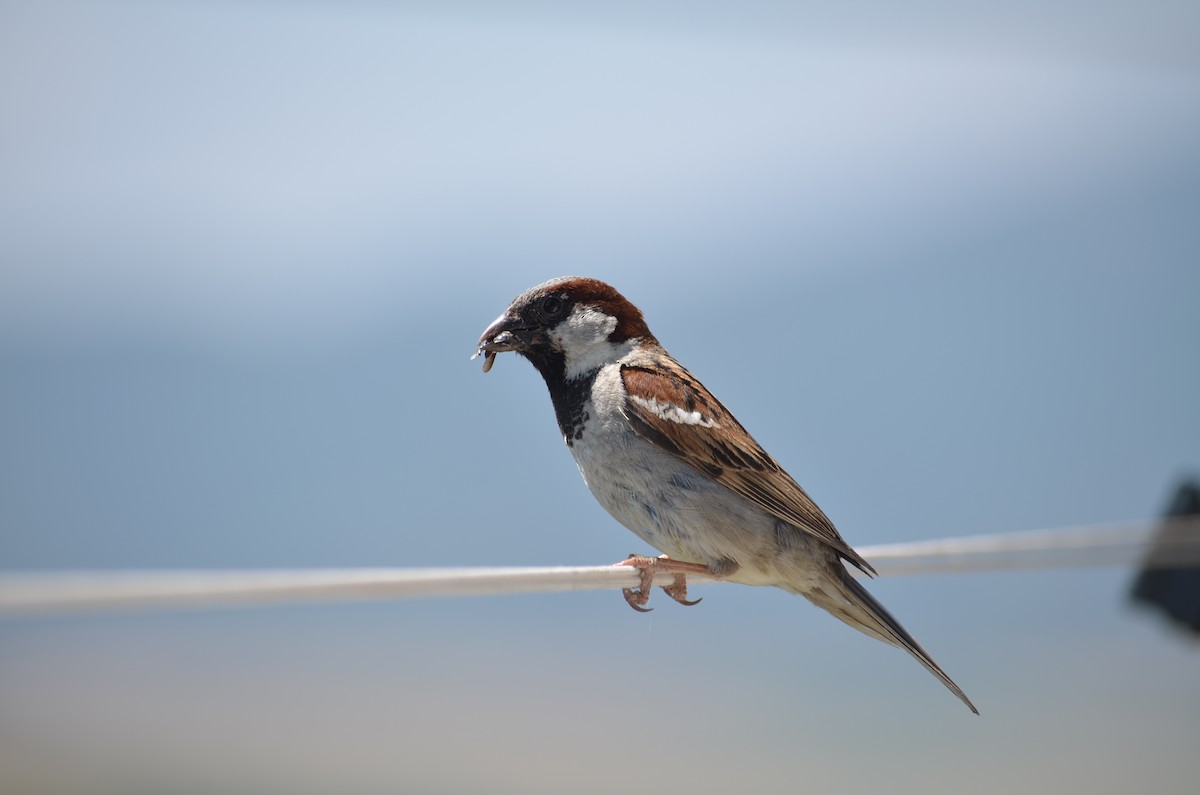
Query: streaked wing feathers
(676,412)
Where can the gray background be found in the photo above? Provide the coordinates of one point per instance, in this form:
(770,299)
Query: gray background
(942,262)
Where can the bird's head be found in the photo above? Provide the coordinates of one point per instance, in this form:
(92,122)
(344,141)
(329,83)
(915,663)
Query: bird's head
(573,325)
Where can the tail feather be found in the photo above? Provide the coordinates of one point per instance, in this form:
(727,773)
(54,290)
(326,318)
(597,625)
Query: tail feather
(866,614)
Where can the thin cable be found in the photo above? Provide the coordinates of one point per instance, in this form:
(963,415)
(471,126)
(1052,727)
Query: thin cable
(1170,543)
(85,591)
(1165,544)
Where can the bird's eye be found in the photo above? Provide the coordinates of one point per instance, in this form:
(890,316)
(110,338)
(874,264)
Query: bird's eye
(552,305)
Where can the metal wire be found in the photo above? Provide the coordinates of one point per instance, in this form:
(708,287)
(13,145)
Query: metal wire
(1170,543)
(1165,544)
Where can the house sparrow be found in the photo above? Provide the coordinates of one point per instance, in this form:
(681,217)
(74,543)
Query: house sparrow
(668,460)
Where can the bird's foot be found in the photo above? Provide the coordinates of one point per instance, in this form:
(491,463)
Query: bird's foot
(678,591)
(648,567)
(637,597)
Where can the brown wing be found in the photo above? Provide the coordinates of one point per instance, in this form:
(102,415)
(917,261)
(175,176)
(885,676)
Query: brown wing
(679,415)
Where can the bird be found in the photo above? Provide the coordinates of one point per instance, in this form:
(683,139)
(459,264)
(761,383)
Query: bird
(668,461)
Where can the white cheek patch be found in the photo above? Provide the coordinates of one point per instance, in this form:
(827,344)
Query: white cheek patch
(583,339)
(585,326)
(672,413)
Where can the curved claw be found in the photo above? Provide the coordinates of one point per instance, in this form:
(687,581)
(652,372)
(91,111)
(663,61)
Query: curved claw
(637,598)
(678,591)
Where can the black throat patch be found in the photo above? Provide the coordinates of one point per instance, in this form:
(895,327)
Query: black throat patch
(568,396)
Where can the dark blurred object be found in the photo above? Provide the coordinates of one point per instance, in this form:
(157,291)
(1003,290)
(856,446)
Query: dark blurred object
(1175,591)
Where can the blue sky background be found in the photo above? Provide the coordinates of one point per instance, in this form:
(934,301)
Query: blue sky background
(942,262)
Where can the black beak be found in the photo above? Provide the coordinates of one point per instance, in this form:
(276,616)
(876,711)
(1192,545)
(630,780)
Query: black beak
(507,333)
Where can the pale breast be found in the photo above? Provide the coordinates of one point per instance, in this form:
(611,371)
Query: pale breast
(669,505)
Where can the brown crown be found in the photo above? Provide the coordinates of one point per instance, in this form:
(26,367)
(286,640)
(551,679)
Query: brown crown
(602,296)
